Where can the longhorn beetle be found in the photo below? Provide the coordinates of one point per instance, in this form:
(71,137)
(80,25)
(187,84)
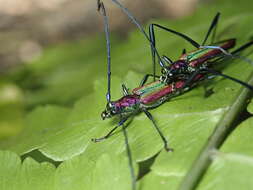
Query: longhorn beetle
(151,95)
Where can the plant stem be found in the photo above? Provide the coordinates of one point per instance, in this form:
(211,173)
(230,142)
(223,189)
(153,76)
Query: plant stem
(222,129)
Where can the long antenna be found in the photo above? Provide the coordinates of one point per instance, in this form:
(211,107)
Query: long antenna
(212,26)
(229,77)
(234,54)
(134,20)
(101,9)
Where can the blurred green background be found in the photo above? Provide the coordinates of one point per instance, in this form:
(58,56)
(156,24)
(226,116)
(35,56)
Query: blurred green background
(51,51)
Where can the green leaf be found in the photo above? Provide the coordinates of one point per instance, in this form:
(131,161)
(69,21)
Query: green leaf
(41,126)
(28,175)
(109,172)
(233,164)
(153,181)
(250,107)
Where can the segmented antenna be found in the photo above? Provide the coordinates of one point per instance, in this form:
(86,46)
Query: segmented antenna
(234,53)
(213,24)
(213,27)
(243,47)
(101,9)
(134,20)
(228,77)
(194,43)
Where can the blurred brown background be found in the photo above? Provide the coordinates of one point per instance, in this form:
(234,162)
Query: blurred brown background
(29,25)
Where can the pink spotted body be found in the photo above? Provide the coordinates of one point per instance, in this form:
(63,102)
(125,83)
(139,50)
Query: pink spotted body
(150,95)
(157,92)
(189,62)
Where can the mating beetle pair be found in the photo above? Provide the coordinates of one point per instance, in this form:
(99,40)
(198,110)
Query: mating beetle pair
(176,77)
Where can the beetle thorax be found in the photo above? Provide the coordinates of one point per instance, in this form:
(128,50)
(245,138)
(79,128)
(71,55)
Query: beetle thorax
(125,105)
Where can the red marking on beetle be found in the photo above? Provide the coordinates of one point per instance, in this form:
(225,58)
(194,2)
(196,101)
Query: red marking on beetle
(227,45)
(178,64)
(179,84)
(127,101)
(166,91)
